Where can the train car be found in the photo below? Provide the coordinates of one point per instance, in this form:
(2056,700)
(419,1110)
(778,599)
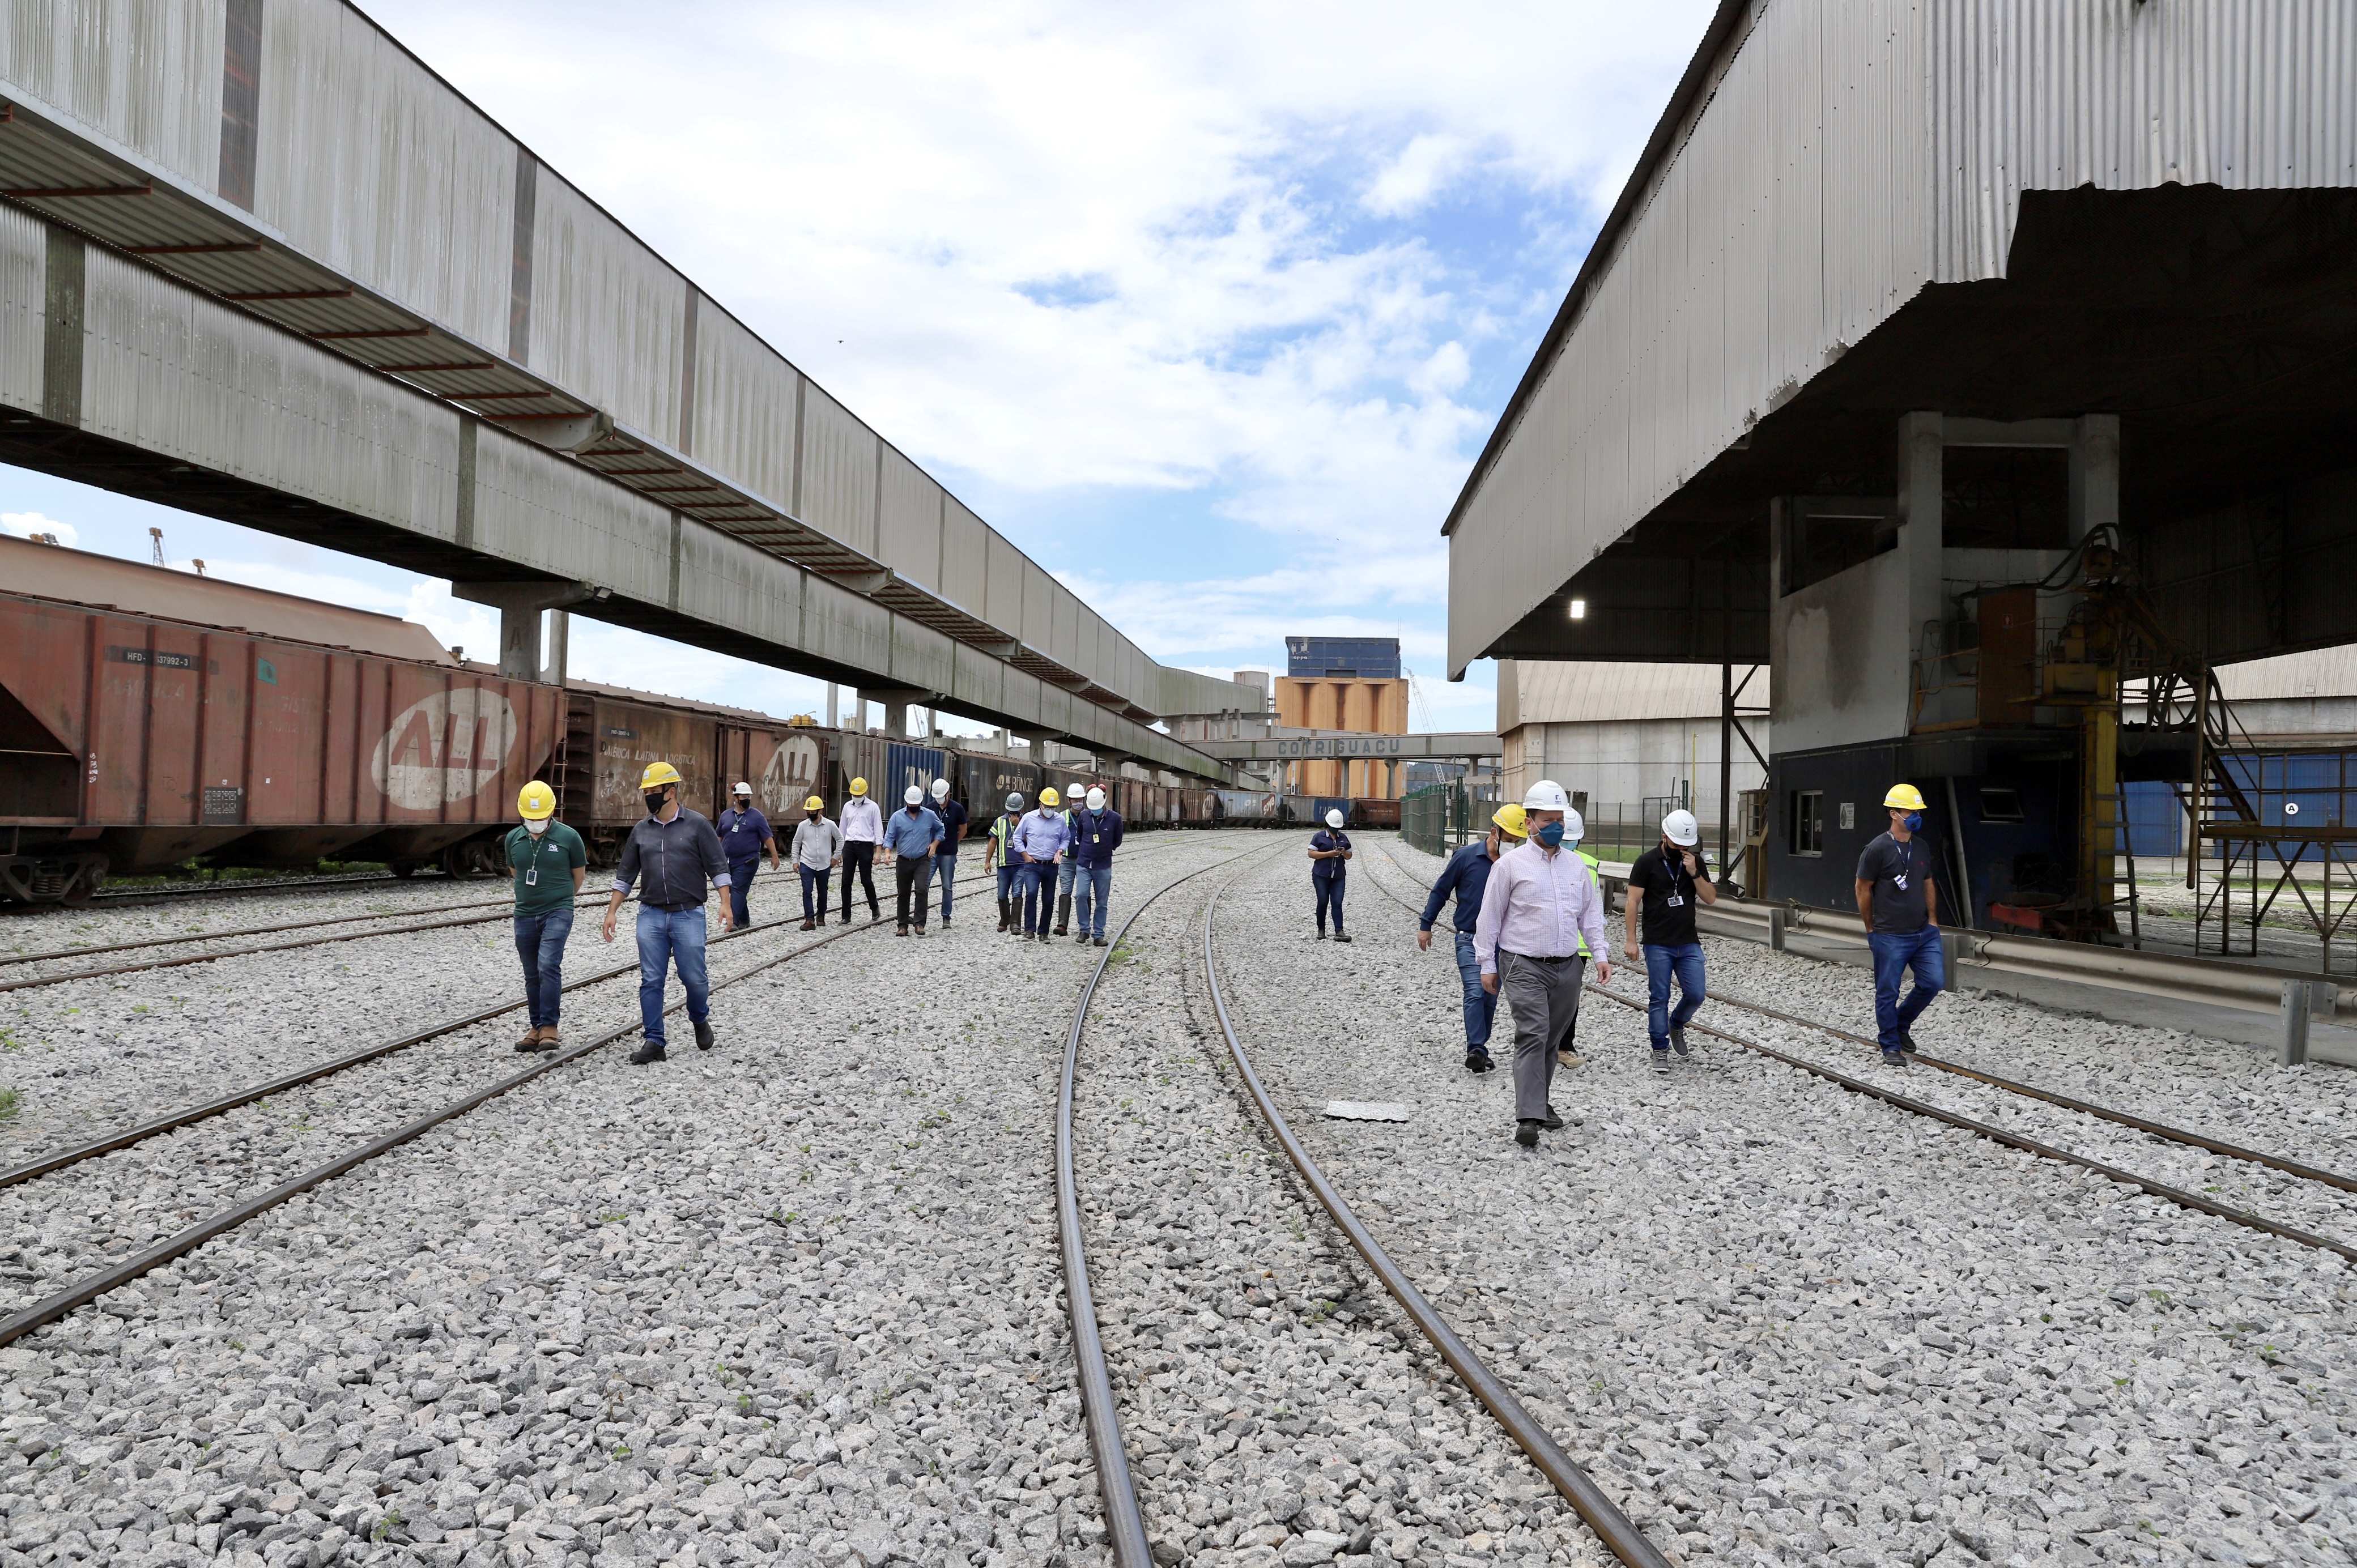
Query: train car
(987,779)
(1195,807)
(1375,815)
(1247,808)
(147,716)
(611,733)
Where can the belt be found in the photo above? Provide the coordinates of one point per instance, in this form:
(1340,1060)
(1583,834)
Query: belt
(1537,958)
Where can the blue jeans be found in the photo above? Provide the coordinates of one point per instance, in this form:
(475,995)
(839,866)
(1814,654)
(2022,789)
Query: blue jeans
(1038,880)
(540,942)
(665,937)
(1480,1006)
(945,868)
(1010,880)
(1092,889)
(1065,870)
(814,890)
(740,882)
(1895,952)
(1684,960)
(1329,892)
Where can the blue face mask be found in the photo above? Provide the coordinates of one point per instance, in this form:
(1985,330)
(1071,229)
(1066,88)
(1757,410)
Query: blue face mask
(1914,820)
(1551,834)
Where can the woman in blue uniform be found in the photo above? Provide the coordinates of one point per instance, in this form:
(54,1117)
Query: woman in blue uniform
(1330,851)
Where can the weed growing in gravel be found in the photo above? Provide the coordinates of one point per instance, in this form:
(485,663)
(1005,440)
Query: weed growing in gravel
(11,1102)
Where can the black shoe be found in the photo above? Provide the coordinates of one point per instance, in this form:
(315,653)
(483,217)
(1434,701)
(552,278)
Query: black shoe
(703,1033)
(1082,940)
(1321,933)
(1526,1133)
(1892,1056)
(1678,1041)
(1099,941)
(1553,1123)
(650,1052)
(1340,937)
(1661,1060)
(1478,1061)
(1907,1044)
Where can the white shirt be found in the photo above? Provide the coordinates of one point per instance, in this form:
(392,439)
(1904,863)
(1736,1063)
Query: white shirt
(1538,905)
(863,821)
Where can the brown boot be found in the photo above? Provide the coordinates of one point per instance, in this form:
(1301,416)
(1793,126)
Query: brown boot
(531,1039)
(548,1040)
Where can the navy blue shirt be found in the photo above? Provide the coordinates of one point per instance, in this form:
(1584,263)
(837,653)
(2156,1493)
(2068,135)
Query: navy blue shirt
(742,834)
(1466,875)
(1329,838)
(1095,835)
(954,817)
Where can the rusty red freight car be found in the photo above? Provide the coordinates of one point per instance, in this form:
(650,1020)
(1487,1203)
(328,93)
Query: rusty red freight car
(148,716)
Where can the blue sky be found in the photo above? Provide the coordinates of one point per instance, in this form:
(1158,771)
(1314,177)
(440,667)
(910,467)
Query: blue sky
(1209,308)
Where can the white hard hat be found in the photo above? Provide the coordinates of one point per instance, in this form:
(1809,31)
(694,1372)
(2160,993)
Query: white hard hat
(914,795)
(1014,802)
(742,788)
(1572,828)
(1096,798)
(940,787)
(1546,795)
(1334,817)
(1681,829)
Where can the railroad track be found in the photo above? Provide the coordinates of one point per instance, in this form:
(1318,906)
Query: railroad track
(91,1287)
(1124,1517)
(131,898)
(2192,1201)
(501,908)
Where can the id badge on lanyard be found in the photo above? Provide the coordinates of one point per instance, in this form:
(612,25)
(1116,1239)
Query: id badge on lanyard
(531,872)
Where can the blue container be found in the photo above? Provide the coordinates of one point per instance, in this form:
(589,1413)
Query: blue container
(1342,658)
(907,765)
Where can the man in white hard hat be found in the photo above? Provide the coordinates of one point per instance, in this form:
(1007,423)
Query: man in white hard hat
(745,834)
(954,821)
(1663,885)
(1096,833)
(1329,856)
(912,835)
(1540,905)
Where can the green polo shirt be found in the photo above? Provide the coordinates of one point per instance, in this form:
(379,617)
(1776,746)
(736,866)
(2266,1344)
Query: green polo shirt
(554,855)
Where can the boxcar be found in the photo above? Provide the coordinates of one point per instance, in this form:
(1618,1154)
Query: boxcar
(134,741)
(611,735)
(1367,812)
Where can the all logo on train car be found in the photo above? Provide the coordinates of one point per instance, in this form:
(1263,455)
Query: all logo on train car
(791,777)
(444,748)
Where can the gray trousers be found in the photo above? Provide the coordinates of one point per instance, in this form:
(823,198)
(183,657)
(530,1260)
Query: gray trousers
(1545,996)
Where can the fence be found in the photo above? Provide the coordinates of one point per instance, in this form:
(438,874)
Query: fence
(1426,817)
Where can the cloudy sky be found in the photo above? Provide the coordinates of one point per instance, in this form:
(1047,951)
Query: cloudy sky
(1209,308)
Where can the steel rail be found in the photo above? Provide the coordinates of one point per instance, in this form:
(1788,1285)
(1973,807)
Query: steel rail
(2031,1091)
(1116,1488)
(173,1121)
(134,895)
(1602,1515)
(2176,1195)
(96,948)
(184,1241)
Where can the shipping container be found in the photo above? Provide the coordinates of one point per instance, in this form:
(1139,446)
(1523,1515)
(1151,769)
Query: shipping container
(131,742)
(1342,658)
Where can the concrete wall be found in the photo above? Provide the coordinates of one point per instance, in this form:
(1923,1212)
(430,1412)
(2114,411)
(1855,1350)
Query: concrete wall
(1843,652)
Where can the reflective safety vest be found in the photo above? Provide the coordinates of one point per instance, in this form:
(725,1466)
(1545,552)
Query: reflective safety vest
(1593,870)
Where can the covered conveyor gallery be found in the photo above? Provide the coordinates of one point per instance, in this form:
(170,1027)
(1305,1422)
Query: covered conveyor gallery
(1989,369)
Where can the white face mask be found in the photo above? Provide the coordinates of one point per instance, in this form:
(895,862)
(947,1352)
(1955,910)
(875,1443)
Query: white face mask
(536,829)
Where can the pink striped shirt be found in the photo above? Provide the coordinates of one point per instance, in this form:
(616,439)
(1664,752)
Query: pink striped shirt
(1538,905)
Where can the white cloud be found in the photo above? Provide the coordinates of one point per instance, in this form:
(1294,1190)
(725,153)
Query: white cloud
(25,524)
(1412,179)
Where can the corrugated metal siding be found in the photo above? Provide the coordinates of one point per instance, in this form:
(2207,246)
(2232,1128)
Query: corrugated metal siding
(368,164)
(838,471)
(1763,250)
(607,315)
(966,554)
(744,406)
(2043,95)
(843,626)
(534,508)
(909,528)
(1582,691)
(172,371)
(733,585)
(24,279)
(144,73)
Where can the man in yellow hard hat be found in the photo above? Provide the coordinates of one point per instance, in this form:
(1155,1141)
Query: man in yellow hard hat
(1038,846)
(550,861)
(817,850)
(1464,877)
(1898,903)
(863,832)
(678,854)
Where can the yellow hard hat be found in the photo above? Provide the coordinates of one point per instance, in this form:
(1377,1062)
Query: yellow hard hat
(859,786)
(1511,820)
(536,801)
(1048,797)
(657,775)
(813,804)
(1906,796)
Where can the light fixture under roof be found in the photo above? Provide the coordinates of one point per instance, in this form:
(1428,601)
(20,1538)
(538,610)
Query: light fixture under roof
(1580,609)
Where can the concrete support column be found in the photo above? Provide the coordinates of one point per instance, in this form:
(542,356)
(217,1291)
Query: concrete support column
(2095,475)
(831,719)
(519,605)
(560,640)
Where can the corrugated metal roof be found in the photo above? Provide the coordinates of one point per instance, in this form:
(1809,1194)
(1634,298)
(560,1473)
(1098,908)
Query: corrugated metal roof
(2320,672)
(1580,692)
(81,577)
